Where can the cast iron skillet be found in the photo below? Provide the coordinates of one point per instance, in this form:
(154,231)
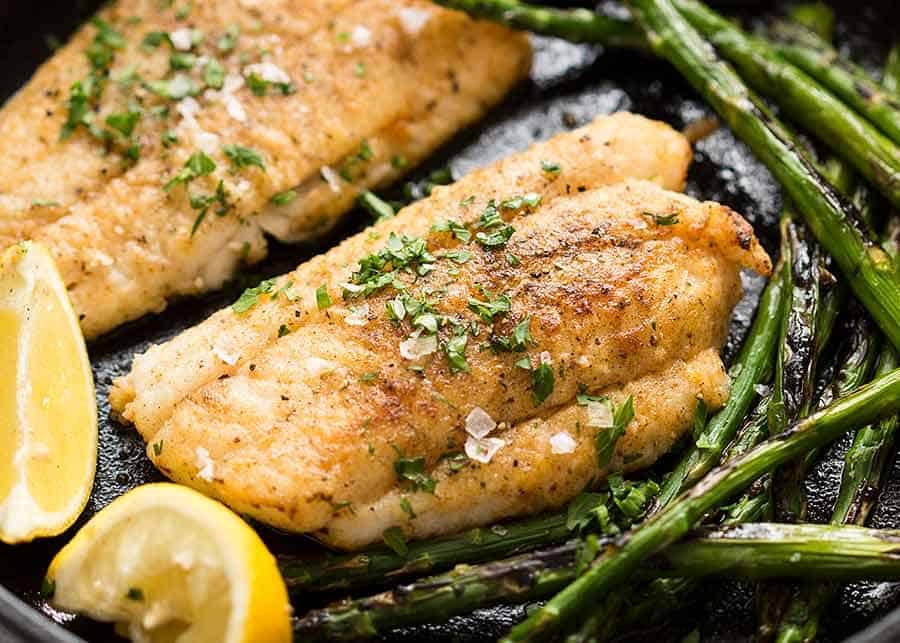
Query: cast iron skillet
(568,87)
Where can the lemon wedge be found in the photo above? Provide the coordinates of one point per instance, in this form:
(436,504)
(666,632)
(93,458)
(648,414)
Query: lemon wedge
(48,414)
(168,564)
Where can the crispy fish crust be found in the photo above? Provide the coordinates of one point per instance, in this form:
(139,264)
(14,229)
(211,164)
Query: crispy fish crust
(377,82)
(628,288)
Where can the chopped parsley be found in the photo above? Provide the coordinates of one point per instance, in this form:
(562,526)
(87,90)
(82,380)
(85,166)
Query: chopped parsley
(214,74)
(169,138)
(542,383)
(199,164)
(399,162)
(551,167)
(257,85)
(124,122)
(379,269)
(242,157)
(359,70)
(158,447)
(228,41)
(250,297)
(202,203)
(529,201)
(459,256)
(662,219)
(260,87)
(518,340)
(455,349)
(362,155)
(182,60)
(283,330)
(394,538)
(175,88)
(491,308)
(407,507)
(154,39)
(495,239)
(283,198)
(490,219)
(606,439)
(455,228)
(323,299)
(412,470)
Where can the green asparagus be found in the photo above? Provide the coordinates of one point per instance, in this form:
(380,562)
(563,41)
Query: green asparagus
(751,551)
(842,77)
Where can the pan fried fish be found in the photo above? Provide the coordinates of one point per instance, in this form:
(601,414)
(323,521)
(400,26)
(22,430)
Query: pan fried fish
(154,151)
(477,357)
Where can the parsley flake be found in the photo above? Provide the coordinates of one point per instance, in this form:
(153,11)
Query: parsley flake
(242,157)
(323,299)
(250,297)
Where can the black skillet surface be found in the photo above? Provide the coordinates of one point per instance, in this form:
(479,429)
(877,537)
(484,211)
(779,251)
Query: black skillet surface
(569,86)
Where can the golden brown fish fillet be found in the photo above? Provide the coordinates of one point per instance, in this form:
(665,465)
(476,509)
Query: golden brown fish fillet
(354,92)
(298,412)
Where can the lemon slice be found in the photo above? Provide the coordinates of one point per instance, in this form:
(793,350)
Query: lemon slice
(48,415)
(168,564)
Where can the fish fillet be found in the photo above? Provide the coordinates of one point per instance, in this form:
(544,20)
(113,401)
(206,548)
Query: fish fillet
(301,413)
(332,97)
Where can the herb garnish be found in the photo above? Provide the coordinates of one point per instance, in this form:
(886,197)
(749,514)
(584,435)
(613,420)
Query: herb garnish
(323,299)
(242,157)
(199,164)
(491,308)
(662,219)
(250,297)
(394,538)
(412,470)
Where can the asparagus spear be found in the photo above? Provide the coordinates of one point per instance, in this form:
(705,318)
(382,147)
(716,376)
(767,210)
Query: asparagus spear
(575,25)
(751,551)
(864,468)
(851,136)
(842,77)
(864,463)
(868,269)
(615,565)
(381,565)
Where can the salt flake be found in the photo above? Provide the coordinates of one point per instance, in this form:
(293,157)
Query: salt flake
(562,443)
(479,423)
(484,449)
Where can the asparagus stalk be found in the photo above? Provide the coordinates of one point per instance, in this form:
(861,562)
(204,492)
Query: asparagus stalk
(575,25)
(851,136)
(842,77)
(381,565)
(617,563)
(864,468)
(868,269)
(751,551)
